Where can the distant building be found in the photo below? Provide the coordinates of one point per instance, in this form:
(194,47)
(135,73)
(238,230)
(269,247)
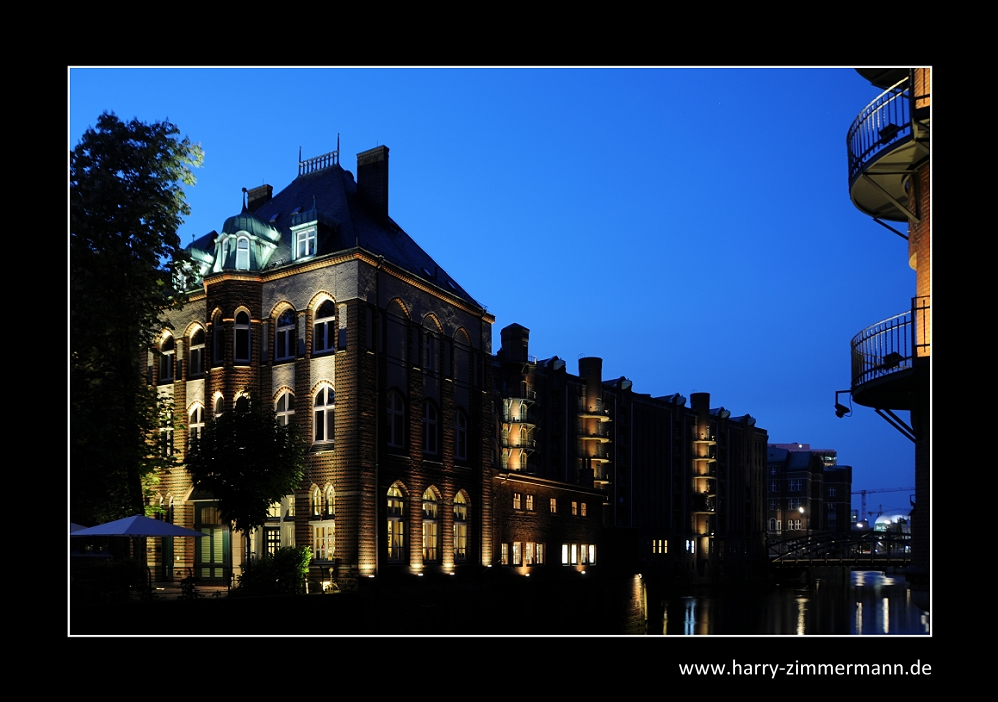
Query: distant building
(681,487)
(806,491)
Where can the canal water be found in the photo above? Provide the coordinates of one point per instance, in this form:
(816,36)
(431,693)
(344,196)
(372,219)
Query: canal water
(866,603)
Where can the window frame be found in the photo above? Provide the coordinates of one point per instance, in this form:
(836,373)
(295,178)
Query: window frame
(284,407)
(395,409)
(195,368)
(167,359)
(324,416)
(395,507)
(243,337)
(324,328)
(284,336)
(305,243)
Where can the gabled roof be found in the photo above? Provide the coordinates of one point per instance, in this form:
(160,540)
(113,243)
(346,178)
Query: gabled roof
(330,197)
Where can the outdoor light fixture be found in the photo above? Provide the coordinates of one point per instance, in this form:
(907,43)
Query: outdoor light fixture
(840,409)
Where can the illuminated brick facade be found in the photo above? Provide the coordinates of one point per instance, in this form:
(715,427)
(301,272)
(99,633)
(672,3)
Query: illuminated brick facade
(315,302)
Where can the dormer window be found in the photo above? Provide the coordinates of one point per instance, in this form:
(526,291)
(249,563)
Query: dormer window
(305,243)
(242,253)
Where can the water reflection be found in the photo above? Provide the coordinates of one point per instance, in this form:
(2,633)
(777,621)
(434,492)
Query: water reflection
(867,602)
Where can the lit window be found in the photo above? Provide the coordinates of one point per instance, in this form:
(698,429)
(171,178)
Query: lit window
(324,540)
(460,528)
(396,420)
(517,501)
(575,508)
(196,368)
(528,553)
(324,330)
(285,337)
(324,412)
(242,337)
(530,503)
(272,539)
(242,254)
(554,505)
(195,423)
(167,354)
(461,436)
(793,524)
(305,243)
(430,428)
(504,555)
(517,553)
(431,536)
(582,508)
(316,502)
(330,502)
(285,408)
(539,560)
(396,542)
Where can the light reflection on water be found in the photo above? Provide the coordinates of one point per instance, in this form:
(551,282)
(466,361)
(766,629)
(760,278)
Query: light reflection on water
(870,603)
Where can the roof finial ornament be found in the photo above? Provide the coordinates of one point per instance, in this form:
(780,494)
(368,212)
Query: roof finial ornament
(244,200)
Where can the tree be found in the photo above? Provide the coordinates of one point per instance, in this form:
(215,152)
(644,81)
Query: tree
(247,460)
(126,204)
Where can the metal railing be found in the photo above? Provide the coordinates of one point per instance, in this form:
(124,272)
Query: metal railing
(884,122)
(887,347)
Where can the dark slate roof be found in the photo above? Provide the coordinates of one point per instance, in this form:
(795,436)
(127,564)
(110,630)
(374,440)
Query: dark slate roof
(332,192)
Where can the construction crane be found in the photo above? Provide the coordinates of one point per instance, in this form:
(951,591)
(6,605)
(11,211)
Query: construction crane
(864,493)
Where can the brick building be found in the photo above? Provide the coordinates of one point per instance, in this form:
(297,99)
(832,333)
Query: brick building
(679,488)
(890,179)
(315,301)
(806,491)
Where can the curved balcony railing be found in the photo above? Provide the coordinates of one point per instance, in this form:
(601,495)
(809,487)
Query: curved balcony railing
(887,121)
(884,123)
(889,346)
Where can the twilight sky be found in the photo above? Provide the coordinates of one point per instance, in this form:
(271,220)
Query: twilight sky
(692,227)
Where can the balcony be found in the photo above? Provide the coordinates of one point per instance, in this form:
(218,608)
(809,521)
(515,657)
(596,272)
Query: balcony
(890,357)
(513,442)
(886,141)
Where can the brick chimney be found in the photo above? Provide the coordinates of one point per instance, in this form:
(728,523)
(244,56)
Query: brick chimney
(372,177)
(258,196)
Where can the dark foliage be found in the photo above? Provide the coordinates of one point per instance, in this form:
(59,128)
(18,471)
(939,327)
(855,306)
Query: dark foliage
(126,203)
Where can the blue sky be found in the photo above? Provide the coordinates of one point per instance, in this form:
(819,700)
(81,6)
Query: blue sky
(692,227)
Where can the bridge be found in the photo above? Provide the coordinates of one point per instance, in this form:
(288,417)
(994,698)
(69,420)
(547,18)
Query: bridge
(873,550)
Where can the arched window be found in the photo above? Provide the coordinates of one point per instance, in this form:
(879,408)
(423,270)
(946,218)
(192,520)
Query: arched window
(460,528)
(242,337)
(217,341)
(323,415)
(285,408)
(285,337)
(324,330)
(396,530)
(242,254)
(431,429)
(196,368)
(330,501)
(219,406)
(396,420)
(195,423)
(167,354)
(461,436)
(431,534)
(316,502)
